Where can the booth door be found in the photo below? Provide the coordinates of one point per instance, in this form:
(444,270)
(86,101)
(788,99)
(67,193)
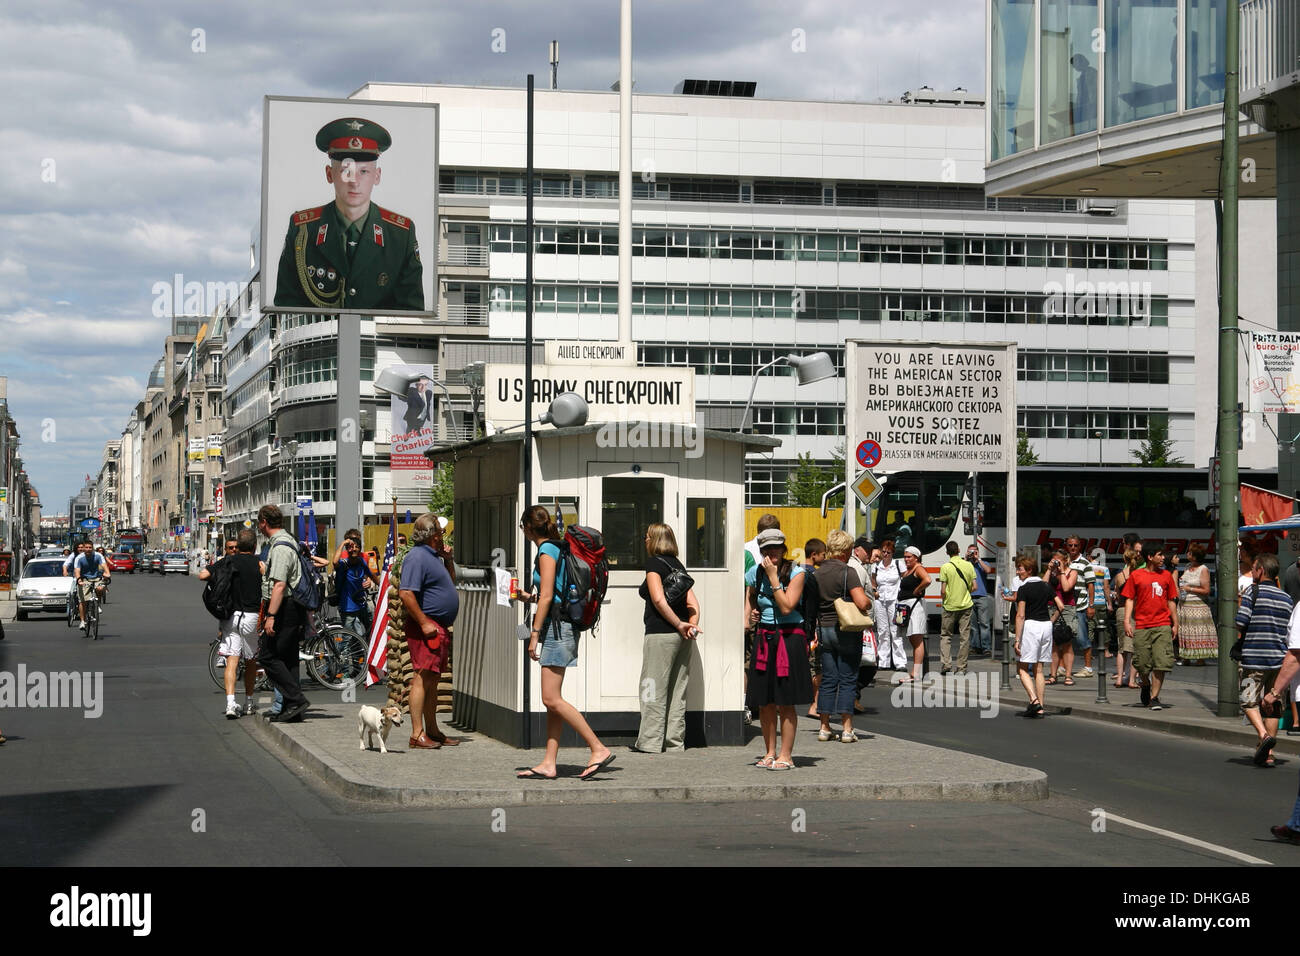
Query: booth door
(629,501)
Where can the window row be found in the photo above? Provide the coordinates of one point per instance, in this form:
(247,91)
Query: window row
(733,190)
(318,362)
(1104,423)
(741,360)
(1054,253)
(315,477)
(1120,368)
(827,305)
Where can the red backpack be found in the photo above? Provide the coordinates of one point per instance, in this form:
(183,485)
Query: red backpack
(584,576)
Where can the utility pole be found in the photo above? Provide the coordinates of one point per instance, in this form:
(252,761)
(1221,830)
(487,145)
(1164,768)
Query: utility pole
(1228,479)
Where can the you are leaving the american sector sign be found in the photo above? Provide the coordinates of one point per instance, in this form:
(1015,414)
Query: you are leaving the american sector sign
(933,406)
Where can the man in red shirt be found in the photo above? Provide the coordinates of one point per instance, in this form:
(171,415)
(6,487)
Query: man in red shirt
(1152,599)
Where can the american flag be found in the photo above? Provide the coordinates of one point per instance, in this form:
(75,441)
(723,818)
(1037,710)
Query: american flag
(377,657)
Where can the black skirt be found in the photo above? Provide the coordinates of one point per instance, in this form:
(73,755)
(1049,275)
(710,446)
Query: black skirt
(765,687)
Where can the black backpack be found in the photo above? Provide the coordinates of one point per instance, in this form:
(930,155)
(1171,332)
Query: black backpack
(219,592)
(810,602)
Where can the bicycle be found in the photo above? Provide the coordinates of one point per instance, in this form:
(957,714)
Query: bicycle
(217,669)
(338,657)
(92,612)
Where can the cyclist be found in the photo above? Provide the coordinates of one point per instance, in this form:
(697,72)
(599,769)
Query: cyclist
(89,569)
(68,557)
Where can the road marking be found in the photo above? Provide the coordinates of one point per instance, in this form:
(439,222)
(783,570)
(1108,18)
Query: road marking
(1236,855)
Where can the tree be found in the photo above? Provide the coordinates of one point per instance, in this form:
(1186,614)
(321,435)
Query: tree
(1156,450)
(443,492)
(1025,454)
(807,482)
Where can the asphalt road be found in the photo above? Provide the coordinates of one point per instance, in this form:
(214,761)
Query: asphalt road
(162,778)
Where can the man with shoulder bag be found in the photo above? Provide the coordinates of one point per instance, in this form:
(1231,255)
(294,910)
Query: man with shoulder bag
(956,581)
(280,622)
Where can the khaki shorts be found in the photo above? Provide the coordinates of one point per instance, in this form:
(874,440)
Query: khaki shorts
(1254,685)
(1153,649)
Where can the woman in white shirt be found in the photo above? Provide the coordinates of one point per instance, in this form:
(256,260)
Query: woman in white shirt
(885,576)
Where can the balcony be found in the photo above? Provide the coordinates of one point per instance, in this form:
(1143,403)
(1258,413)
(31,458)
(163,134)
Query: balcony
(465,314)
(455,254)
(1270,63)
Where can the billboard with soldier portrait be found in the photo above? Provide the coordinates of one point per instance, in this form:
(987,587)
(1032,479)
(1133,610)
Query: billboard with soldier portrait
(349,206)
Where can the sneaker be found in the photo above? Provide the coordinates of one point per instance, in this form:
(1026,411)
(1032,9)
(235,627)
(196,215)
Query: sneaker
(1060,672)
(749,718)
(250,709)
(81,625)
(1155,703)
(824,735)
(1086,672)
(1146,695)
(232,711)
(848,737)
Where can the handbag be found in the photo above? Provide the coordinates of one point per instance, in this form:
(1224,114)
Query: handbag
(847,615)
(869,657)
(903,612)
(1061,633)
(676,585)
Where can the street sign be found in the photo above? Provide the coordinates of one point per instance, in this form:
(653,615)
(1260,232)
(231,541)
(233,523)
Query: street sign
(218,499)
(304,502)
(867,488)
(868,453)
(89,523)
(1214,479)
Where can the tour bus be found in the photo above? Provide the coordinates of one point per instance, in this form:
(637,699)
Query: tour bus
(131,541)
(1169,507)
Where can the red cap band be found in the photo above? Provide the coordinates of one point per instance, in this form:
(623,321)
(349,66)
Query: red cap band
(353,143)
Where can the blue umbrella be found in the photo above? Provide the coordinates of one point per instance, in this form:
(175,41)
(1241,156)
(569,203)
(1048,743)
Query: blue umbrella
(311,528)
(408,515)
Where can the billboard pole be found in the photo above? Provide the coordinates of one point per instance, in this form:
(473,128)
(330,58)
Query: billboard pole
(347,472)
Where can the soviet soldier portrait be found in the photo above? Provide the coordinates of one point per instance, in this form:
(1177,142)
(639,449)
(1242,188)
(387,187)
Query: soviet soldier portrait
(351,254)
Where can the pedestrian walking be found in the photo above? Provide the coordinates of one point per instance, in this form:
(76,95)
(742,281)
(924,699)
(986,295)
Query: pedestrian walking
(1063,578)
(1198,639)
(779,677)
(1125,673)
(239,630)
(956,585)
(553,644)
(671,618)
(1151,620)
(1262,622)
(281,620)
(1270,707)
(1034,598)
(429,596)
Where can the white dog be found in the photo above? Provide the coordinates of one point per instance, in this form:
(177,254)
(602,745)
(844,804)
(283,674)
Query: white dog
(373,722)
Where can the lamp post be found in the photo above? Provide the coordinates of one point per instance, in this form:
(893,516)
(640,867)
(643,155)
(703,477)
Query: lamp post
(808,368)
(1097,435)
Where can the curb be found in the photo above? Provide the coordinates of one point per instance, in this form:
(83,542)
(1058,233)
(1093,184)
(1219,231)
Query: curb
(1033,786)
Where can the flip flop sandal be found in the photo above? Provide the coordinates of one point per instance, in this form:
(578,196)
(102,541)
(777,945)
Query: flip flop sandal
(764,763)
(532,775)
(1069,682)
(1051,680)
(781,765)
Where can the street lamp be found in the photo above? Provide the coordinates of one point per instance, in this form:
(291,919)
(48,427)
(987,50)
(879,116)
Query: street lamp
(808,368)
(1097,435)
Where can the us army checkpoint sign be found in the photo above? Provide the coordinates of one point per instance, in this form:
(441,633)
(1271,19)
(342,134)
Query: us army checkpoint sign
(933,406)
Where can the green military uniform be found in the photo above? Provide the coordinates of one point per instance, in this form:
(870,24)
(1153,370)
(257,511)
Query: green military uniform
(371,265)
(381,272)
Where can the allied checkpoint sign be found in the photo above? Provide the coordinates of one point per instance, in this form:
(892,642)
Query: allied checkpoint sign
(933,406)
(614,393)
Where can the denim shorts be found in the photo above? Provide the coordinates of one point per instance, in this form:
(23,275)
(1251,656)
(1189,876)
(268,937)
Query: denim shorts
(559,645)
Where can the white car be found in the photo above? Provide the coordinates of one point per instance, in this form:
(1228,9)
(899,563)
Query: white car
(43,589)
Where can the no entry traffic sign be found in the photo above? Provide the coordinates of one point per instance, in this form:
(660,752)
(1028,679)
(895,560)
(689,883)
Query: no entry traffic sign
(868,453)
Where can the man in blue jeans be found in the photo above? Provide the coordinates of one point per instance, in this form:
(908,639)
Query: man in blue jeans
(981,641)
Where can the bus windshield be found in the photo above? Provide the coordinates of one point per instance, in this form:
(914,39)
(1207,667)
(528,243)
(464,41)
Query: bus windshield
(919,510)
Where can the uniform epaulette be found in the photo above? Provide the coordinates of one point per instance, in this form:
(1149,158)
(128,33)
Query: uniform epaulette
(307,215)
(394,218)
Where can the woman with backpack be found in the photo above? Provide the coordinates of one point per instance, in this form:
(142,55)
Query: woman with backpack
(553,643)
(672,614)
(779,678)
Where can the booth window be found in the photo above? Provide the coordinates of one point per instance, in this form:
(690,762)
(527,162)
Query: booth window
(630,505)
(703,536)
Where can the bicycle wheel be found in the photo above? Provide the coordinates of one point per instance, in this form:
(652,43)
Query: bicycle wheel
(71,612)
(92,618)
(216,665)
(338,658)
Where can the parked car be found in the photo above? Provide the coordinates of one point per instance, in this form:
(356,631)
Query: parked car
(43,589)
(122,561)
(175,561)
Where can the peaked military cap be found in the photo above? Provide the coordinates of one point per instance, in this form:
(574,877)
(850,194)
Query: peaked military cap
(353,138)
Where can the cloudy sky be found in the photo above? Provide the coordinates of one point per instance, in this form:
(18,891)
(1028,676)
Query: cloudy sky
(134,141)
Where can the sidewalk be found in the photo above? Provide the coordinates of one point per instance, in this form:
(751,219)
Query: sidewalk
(480,772)
(1190,707)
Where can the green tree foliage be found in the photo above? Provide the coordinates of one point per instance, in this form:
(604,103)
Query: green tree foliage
(1156,450)
(442,494)
(1025,454)
(807,483)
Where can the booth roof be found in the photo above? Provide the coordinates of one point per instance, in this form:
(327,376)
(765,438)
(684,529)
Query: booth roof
(470,448)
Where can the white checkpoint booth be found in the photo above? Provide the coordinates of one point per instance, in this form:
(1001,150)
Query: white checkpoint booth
(611,477)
